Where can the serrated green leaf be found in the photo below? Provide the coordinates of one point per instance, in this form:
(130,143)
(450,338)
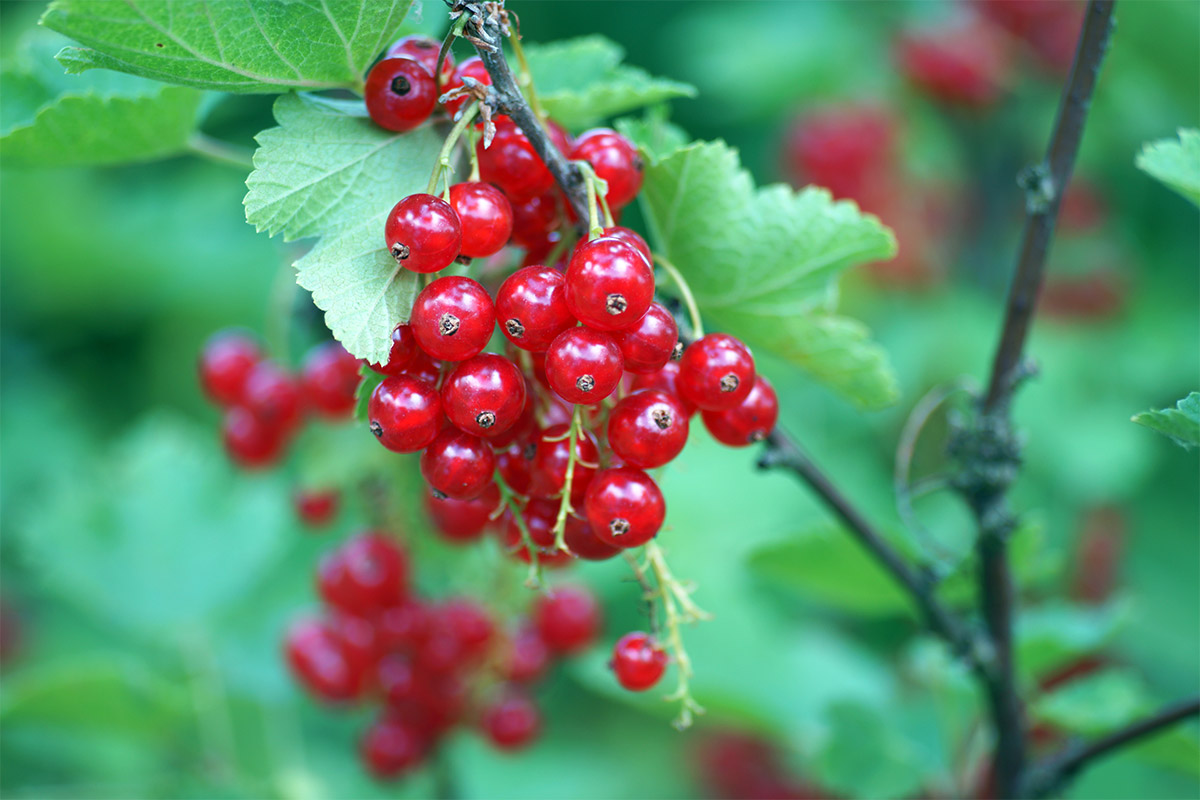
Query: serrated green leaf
(1094,703)
(581,81)
(328,171)
(262,46)
(1175,162)
(655,135)
(764,262)
(1181,423)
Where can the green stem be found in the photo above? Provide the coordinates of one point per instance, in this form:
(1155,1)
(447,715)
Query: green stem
(443,160)
(685,292)
(591,180)
(508,498)
(679,610)
(220,152)
(564,506)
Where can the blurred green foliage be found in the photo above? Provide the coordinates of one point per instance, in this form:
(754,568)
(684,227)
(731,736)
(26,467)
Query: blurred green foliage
(152,582)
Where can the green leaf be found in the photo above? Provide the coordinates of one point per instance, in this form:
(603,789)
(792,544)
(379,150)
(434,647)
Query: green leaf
(1094,703)
(1175,163)
(1053,636)
(263,46)
(51,119)
(1181,423)
(764,262)
(653,133)
(866,757)
(581,81)
(328,171)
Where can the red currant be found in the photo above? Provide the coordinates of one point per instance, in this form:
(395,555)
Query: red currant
(462,521)
(472,68)
(609,284)
(649,344)
(317,508)
(405,414)
(225,364)
(638,661)
(364,576)
(392,747)
(330,378)
(423,233)
(318,660)
(470,623)
(400,93)
(403,627)
(550,459)
(531,307)
(666,380)
(403,353)
(582,542)
(511,163)
(424,368)
(458,464)
(527,657)
(512,722)
(615,160)
(453,318)
(425,50)
(273,395)
(515,464)
(624,506)
(631,238)
(963,64)
(583,365)
(250,442)
(716,372)
(647,429)
(568,619)
(748,422)
(359,641)
(539,516)
(397,679)
(486,217)
(484,395)
(535,219)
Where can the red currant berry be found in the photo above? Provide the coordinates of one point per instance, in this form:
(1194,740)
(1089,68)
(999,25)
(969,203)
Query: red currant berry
(615,160)
(512,722)
(317,508)
(400,94)
(539,516)
(550,458)
(359,641)
(963,64)
(535,219)
(748,422)
(665,381)
(392,747)
(469,623)
(424,50)
(638,661)
(453,318)
(531,307)
(423,233)
(461,521)
(330,378)
(250,442)
(458,464)
(515,464)
(647,429)
(405,414)
(472,68)
(527,657)
(424,368)
(403,353)
(318,661)
(404,627)
(583,365)
(716,372)
(624,507)
(609,284)
(397,679)
(582,542)
(225,364)
(274,396)
(511,542)
(523,429)
(364,576)
(649,344)
(568,619)
(511,163)
(486,217)
(485,395)
(631,238)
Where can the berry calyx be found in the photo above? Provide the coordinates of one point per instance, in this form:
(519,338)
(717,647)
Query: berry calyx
(511,722)
(582,542)
(225,364)
(716,372)
(648,345)
(404,413)
(400,93)
(583,366)
(615,160)
(638,661)
(424,50)
(647,429)
(610,285)
(484,395)
(568,619)
(330,378)
(624,506)
(422,232)
(403,353)
(458,464)
(748,422)
(453,318)
(531,307)
(485,215)
(665,380)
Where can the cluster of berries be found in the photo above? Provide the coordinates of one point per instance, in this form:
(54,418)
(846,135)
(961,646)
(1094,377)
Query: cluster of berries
(429,666)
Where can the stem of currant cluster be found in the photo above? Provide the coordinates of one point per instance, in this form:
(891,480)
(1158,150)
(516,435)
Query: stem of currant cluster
(678,610)
(442,165)
(564,505)
(508,499)
(592,181)
(685,292)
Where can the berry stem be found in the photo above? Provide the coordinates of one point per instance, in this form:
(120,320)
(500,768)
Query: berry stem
(591,180)
(564,506)
(649,595)
(442,165)
(685,292)
(508,499)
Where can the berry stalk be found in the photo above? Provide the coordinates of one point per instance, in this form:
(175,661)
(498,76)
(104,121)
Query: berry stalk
(685,292)
(564,507)
(678,609)
(442,166)
(508,499)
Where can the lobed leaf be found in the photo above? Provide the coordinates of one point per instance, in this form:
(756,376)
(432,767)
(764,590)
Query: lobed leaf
(1181,423)
(1175,162)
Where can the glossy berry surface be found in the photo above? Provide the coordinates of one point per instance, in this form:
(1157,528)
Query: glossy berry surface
(550,457)
(609,284)
(583,543)
(647,429)
(462,520)
(458,464)
(364,576)
(404,351)
(250,442)
(392,747)
(423,49)
(629,237)
(624,506)
(484,395)
(274,396)
(716,372)
(665,380)
(316,507)
(511,163)
(319,662)
(424,368)
(534,220)
(649,344)
(638,661)
(472,68)
(748,422)
(511,722)
(453,318)
(568,619)
(330,379)
(423,233)
(615,160)
(485,215)
(531,307)
(400,94)
(583,365)
(404,413)
(225,364)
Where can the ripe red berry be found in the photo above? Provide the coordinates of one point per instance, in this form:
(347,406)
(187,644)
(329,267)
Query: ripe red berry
(748,422)
(567,619)
(225,364)
(316,507)
(462,521)
(405,414)
(615,159)
(647,429)
(624,506)
(364,576)
(359,641)
(583,365)
(470,623)
(631,238)
(535,219)
(472,68)
(511,163)
(423,233)
(453,318)
(609,284)
(511,722)
(638,661)
(250,442)
(550,458)
(666,380)
(847,149)
(403,353)
(527,657)
(330,379)
(425,50)
(964,64)
(649,344)
(515,464)
(582,542)
(400,94)
(319,662)
(397,678)
(539,516)
(485,215)
(424,368)
(403,627)
(458,464)
(531,307)
(273,396)
(716,372)
(484,395)
(392,747)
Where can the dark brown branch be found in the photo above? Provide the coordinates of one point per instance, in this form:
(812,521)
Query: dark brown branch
(1057,770)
